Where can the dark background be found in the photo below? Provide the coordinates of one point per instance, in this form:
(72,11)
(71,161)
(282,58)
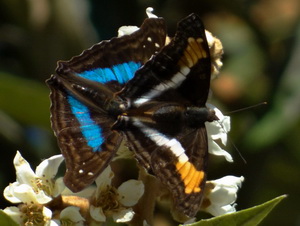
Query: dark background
(261,63)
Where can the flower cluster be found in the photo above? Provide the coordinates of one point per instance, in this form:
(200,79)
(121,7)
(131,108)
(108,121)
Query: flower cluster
(220,195)
(33,190)
(115,202)
(38,193)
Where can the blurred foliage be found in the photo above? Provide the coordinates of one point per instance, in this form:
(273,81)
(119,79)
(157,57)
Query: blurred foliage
(261,63)
(6,220)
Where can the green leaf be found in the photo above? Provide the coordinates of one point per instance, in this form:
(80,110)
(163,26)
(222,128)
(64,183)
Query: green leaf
(6,220)
(25,100)
(248,217)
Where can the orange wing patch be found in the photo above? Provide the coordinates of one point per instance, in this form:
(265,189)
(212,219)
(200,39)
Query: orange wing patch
(190,176)
(193,52)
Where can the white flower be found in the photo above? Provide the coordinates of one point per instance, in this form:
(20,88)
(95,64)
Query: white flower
(127,30)
(123,153)
(35,187)
(216,52)
(221,194)
(14,213)
(149,12)
(111,202)
(30,214)
(70,216)
(36,214)
(217,130)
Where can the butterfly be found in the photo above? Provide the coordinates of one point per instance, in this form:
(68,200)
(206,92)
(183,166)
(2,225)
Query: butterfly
(139,89)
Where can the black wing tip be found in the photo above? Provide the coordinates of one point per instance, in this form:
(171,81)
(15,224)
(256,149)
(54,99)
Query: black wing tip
(193,21)
(52,80)
(193,17)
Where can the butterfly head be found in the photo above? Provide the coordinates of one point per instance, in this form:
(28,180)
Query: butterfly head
(196,116)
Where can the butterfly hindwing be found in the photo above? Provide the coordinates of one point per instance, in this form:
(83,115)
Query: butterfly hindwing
(176,155)
(185,175)
(80,90)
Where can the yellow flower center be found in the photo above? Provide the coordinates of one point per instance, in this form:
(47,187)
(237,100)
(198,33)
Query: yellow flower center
(32,214)
(44,185)
(108,200)
(67,222)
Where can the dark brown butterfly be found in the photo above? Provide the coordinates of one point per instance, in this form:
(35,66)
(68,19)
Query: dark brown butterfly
(151,94)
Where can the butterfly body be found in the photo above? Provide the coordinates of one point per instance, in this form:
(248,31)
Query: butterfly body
(136,88)
(169,118)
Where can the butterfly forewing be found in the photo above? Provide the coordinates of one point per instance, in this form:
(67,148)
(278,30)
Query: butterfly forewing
(84,137)
(180,72)
(123,54)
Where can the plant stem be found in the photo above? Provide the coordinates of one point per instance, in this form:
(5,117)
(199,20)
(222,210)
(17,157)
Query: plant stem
(144,210)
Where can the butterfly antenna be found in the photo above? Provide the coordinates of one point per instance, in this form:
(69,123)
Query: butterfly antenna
(239,110)
(232,143)
(247,108)
(237,150)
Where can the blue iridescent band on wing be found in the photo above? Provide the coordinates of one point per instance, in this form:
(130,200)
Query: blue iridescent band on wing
(121,73)
(92,132)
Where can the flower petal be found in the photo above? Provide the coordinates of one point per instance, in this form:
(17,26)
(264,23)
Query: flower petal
(47,213)
(97,214)
(14,213)
(215,149)
(54,223)
(27,195)
(217,130)
(145,223)
(149,12)
(59,187)
(104,178)
(48,168)
(71,213)
(8,193)
(222,194)
(225,190)
(216,52)
(127,30)
(130,192)
(124,215)
(25,174)
(123,153)
(220,210)
(230,181)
